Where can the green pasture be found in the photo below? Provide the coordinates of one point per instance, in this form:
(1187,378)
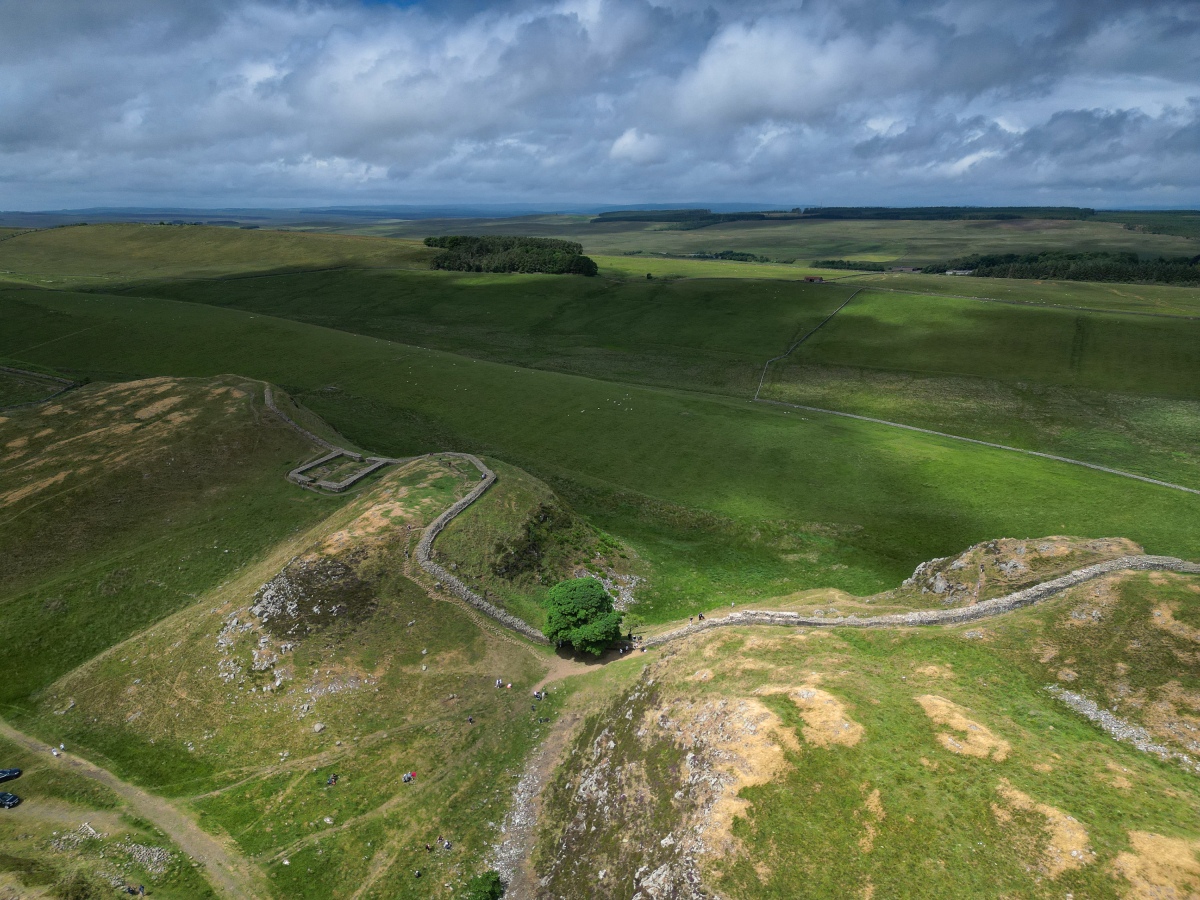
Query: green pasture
(1159,299)
(16,389)
(898,242)
(729,499)
(1147,435)
(98,253)
(675,267)
(1140,355)
(697,333)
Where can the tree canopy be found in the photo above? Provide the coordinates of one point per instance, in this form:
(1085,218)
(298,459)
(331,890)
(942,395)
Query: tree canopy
(581,614)
(1089,266)
(502,253)
(487,886)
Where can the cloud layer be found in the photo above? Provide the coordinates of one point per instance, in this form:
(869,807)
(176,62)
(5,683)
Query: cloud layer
(610,101)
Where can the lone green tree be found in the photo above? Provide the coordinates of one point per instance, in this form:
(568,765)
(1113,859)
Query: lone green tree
(581,614)
(487,886)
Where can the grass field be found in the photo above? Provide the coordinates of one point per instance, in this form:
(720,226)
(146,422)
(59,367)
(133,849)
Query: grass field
(897,242)
(69,824)
(1160,299)
(725,499)
(694,334)
(98,253)
(1141,356)
(675,267)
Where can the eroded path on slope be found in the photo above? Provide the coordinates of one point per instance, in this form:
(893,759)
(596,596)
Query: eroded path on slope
(230,874)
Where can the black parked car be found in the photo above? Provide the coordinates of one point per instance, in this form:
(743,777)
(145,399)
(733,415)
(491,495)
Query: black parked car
(8,801)
(9,774)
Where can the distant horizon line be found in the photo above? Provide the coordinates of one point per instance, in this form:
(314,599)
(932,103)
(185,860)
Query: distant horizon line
(503,210)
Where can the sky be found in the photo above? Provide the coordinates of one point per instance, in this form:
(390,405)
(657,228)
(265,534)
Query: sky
(218,103)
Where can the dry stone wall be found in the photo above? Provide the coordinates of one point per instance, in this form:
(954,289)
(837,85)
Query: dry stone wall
(986,609)
(448,581)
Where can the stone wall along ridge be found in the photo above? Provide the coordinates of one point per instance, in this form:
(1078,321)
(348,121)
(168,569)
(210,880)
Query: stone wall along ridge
(65,384)
(425,546)
(449,581)
(987,609)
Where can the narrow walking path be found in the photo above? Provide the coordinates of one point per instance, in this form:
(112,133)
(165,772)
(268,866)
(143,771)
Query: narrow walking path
(954,437)
(994,446)
(231,875)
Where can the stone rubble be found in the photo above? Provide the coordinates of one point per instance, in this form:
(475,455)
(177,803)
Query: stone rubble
(1119,729)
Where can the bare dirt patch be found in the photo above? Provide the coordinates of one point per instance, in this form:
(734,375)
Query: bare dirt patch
(972,739)
(735,744)
(16,496)
(1159,868)
(826,721)
(1067,845)
(157,408)
(872,815)
(1163,617)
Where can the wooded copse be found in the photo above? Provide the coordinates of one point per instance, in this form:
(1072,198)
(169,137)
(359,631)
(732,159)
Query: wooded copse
(1093,266)
(499,253)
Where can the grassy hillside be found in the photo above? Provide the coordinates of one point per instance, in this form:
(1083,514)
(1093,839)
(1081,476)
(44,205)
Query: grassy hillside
(1160,299)
(74,834)
(1096,351)
(896,242)
(697,334)
(731,500)
(96,253)
(769,763)
(322,657)
(120,503)
(520,539)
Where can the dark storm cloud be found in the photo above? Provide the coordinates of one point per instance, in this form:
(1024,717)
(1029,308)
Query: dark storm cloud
(224,102)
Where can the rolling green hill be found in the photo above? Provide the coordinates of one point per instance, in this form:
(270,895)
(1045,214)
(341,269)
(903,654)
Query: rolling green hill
(726,498)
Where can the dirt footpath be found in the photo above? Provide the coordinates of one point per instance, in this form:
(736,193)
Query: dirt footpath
(230,874)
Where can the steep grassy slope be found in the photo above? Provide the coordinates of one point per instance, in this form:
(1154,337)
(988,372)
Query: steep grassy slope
(520,539)
(733,500)
(120,503)
(775,764)
(322,657)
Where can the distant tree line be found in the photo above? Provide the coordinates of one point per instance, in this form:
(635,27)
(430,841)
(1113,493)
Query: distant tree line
(736,255)
(856,265)
(500,253)
(689,219)
(950,213)
(1064,266)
